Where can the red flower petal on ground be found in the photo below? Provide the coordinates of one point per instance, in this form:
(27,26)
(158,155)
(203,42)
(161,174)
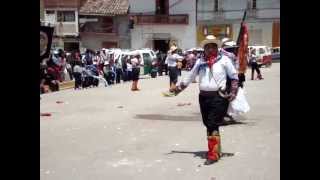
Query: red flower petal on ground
(45,114)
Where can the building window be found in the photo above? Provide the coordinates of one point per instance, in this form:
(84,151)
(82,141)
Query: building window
(216,5)
(66,16)
(254,4)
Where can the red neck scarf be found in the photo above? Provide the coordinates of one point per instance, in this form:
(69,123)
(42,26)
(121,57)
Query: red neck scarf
(211,59)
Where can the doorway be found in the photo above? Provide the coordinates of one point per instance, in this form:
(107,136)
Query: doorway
(161,45)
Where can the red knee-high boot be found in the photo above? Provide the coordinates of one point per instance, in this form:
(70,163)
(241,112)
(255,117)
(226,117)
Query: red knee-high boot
(213,154)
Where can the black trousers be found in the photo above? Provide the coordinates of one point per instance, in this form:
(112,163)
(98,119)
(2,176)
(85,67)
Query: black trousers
(213,111)
(88,81)
(109,77)
(160,69)
(135,73)
(173,75)
(129,75)
(118,75)
(124,75)
(77,79)
(242,78)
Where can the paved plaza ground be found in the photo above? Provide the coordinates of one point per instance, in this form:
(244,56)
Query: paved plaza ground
(115,134)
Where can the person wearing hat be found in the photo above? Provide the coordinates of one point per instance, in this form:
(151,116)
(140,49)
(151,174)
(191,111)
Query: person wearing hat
(213,69)
(172,58)
(107,73)
(191,58)
(229,48)
(136,63)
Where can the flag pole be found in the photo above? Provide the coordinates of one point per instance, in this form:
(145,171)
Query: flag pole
(241,29)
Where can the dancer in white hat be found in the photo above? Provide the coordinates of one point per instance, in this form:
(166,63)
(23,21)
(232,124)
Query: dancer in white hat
(213,70)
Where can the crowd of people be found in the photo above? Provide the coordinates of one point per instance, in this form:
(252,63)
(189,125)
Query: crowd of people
(92,67)
(87,69)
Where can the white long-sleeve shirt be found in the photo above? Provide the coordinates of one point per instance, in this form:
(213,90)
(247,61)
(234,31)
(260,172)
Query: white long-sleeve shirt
(135,62)
(129,67)
(214,79)
(172,59)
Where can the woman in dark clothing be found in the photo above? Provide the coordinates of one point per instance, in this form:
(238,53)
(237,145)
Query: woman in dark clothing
(172,59)
(124,68)
(254,65)
(136,62)
(118,71)
(77,73)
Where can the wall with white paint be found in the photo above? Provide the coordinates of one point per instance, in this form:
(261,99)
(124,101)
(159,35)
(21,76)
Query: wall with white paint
(184,35)
(260,26)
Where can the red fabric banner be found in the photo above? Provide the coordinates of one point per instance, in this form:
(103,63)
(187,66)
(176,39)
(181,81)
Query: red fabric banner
(243,49)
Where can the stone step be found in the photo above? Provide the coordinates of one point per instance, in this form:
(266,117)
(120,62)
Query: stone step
(66,85)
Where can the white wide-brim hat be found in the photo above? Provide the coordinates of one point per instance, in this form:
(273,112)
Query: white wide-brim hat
(230,43)
(224,40)
(210,39)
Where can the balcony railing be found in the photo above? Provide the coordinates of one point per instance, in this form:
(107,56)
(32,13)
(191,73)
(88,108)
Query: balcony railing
(63,29)
(182,19)
(98,29)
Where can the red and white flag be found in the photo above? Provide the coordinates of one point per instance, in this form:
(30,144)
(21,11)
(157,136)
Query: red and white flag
(243,48)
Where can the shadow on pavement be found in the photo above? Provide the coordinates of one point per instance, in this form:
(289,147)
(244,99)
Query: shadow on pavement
(167,117)
(200,154)
(228,123)
(162,117)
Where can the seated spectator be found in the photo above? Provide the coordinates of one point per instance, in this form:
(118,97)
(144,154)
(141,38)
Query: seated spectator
(77,73)
(109,75)
(49,82)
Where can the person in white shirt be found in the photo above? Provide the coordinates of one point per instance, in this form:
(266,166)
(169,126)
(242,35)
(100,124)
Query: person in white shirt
(171,60)
(254,65)
(136,63)
(213,70)
(77,72)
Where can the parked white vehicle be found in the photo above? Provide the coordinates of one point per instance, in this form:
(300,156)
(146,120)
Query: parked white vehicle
(152,53)
(263,54)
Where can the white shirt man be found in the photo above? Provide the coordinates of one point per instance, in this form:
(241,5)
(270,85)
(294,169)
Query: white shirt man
(214,78)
